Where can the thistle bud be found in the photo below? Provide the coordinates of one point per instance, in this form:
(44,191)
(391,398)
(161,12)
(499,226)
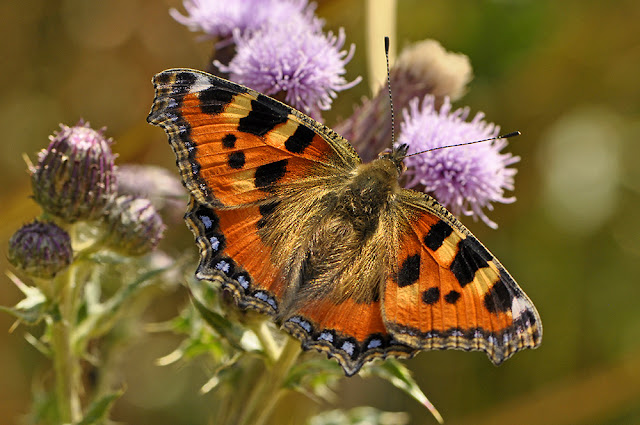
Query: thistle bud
(421,69)
(74,178)
(135,227)
(428,68)
(41,249)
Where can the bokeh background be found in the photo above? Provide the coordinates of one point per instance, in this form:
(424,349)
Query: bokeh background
(566,74)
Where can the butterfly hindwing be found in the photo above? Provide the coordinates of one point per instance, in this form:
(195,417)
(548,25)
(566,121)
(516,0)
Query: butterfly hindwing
(233,144)
(352,332)
(230,250)
(449,291)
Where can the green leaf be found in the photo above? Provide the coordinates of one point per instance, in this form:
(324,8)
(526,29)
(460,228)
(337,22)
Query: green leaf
(222,326)
(315,378)
(400,377)
(193,347)
(43,409)
(225,371)
(38,344)
(101,318)
(125,293)
(360,416)
(99,408)
(30,316)
(32,308)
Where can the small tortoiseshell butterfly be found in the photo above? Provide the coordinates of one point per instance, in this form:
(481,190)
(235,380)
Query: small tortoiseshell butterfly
(296,226)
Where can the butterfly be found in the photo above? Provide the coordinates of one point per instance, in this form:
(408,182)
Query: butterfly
(295,226)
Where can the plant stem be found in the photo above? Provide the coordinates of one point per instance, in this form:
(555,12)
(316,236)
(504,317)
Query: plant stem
(269,346)
(268,389)
(65,363)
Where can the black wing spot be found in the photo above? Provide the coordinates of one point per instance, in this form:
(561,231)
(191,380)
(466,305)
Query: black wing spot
(183,81)
(265,211)
(208,219)
(452,297)
(264,116)
(268,208)
(164,78)
(236,159)
(409,271)
(437,234)
(528,318)
(268,174)
(214,99)
(431,295)
(499,298)
(471,257)
(299,140)
(229,141)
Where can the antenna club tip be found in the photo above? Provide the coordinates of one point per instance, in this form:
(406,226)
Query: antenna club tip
(512,134)
(386,44)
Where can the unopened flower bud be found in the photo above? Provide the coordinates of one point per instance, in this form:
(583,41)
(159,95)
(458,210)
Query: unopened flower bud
(135,227)
(74,178)
(41,249)
(424,68)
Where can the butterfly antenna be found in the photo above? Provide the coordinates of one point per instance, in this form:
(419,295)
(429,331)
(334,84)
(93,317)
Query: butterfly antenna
(386,53)
(505,136)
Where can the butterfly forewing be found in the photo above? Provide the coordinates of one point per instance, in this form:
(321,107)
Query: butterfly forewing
(234,145)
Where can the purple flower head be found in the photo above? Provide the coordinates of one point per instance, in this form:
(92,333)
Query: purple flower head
(306,67)
(74,177)
(41,249)
(134,226)
(219,18)
(465,179)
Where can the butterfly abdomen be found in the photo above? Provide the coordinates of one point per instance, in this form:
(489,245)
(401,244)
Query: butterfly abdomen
(346,253)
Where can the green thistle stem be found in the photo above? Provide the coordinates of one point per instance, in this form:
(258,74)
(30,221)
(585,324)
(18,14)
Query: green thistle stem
(268,389)
(65,363)
(269,346)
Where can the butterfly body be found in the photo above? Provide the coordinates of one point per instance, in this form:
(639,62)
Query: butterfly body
(295,226)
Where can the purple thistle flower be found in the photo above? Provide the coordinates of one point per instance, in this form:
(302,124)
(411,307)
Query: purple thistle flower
(421,68)
(464,179)
(302,66)
(220,18)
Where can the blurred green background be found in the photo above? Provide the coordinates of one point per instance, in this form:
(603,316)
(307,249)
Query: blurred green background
(566,74)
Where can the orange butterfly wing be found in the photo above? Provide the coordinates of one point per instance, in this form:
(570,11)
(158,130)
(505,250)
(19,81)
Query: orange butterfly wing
(234,144)
(449,291)
(241,154)
(231,250)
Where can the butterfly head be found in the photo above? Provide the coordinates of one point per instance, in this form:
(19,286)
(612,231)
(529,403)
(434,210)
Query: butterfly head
(396,155)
